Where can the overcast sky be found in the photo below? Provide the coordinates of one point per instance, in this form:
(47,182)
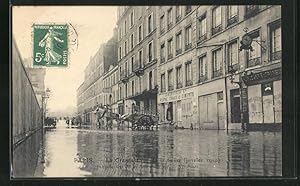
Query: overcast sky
(94,26)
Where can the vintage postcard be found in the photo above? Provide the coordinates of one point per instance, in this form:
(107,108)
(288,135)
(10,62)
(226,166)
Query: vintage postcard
(146,91)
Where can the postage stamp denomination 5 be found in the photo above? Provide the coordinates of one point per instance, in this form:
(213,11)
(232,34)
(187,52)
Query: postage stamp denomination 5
(50,45)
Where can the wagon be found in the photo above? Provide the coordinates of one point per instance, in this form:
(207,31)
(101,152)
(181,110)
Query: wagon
(141,121)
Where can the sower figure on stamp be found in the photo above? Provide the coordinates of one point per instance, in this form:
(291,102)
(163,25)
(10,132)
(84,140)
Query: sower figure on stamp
(48,43)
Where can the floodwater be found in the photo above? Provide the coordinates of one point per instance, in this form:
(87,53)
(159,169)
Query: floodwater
(70,152)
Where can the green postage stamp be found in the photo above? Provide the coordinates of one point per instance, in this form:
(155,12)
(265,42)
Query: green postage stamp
(50,45)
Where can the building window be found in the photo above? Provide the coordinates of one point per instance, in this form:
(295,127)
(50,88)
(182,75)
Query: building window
(125,26)
(202,28)
(275,34)
(254,56)
(170,48)
(178,43)
(125,47)
(179,77)
(188,73)
(140,32)
(162,53)
(132,19)
(163,82)
(150,23)
(120,53)
(132,63)
(178,13)
(220,96)
(188,37)
(150,80)
(232,15)
(267,89)
(126,90)
(150,51)
(202,68)
(170,18)
(217,20)
(140,58)
(251,10)
(131,41)
(132,88)
(126,68)
(188,9)
(162,24)
(170,80)
(217,63)
(232,53)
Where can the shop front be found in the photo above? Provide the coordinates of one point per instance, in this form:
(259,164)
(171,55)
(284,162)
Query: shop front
(264,99)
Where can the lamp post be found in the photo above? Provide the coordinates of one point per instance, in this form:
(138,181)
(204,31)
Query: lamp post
(44,97)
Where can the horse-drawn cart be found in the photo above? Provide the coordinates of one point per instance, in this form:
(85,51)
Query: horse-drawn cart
(142,121)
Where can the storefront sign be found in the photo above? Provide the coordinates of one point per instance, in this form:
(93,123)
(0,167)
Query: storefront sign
(174,96)
(255,78)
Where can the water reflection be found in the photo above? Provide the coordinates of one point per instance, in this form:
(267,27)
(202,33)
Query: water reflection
(178,153)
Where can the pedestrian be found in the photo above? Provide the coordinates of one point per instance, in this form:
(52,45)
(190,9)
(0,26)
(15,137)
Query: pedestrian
(170,113)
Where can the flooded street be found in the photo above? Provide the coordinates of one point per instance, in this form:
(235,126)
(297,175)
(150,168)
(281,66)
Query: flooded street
(160,153)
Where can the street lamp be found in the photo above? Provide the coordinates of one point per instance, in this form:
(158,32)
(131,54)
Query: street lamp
(45,96)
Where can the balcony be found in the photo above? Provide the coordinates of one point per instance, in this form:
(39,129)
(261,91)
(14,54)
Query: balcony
(202,38)
(232,20)
(253,62)
(202,78)
(178,51)
(251,11)
(170,25)
(217,73)
(170,87)
(162,30)
(138,69)
(233,68)
(107,90)
(276,56)
(124,76)
(188,46)
(188,10)
(188,83)
(178,18)
(170,56)
(179,85)
(216,29)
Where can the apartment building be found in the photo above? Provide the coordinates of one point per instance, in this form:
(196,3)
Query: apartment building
(207,80)
(137,59)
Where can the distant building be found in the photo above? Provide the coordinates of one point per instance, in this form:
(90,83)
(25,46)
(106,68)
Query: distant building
(90,92)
